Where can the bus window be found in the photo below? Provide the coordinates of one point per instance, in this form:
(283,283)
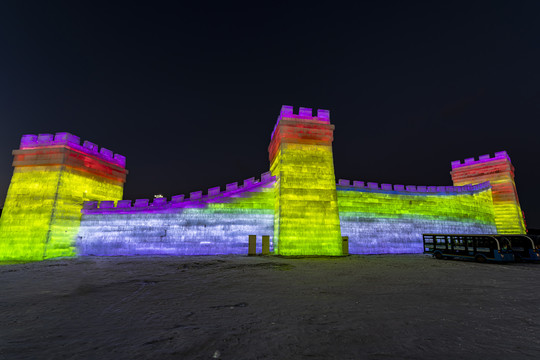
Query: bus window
(459,244)
(518,243)
(470,243)
(483,245)
(440,242)
(504,244)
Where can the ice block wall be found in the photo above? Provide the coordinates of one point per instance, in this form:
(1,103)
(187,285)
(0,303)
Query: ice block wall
(306,212)
(52,178)
(218,222)
(297,203)
(386,219)
(499,171)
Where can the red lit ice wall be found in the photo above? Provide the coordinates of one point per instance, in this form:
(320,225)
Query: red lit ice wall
(499,171)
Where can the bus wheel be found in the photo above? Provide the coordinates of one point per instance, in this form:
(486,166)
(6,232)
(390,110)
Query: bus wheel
(480,259)
(438,256)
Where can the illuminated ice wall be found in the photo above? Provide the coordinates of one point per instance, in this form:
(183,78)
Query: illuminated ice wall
(52,178)
(306,212)
(297,203)
(499,171)
(385,219)
(218,222)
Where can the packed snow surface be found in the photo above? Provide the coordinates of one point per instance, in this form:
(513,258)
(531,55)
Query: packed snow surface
(239,307)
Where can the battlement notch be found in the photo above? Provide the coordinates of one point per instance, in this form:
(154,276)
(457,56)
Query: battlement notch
(500,155)
(372,186)
(32,141)
(287,111)
(195,200)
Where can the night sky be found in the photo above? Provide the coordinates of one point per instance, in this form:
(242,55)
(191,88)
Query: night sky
(190,95)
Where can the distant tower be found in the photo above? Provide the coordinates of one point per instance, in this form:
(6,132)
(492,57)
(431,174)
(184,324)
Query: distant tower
(53,175)
(306,219)
(500,173)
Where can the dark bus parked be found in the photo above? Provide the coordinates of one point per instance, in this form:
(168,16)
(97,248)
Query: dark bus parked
(524,247)
(468,246)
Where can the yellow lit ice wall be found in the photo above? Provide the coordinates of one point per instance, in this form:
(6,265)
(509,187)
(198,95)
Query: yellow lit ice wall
(42,212)
(306,220)
(43,209)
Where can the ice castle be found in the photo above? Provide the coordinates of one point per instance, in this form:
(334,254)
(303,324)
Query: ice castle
(65,199)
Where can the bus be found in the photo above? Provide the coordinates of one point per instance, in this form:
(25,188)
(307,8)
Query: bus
(481,248)
(524,247)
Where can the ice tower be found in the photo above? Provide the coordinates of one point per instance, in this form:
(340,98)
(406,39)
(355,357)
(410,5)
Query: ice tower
(52,178)
(306,219)
(499,171)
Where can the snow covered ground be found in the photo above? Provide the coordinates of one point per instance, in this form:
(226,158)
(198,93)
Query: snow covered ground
(238,307)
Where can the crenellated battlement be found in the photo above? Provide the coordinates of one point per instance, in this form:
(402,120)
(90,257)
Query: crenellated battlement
(31,141)
(501,155)
(287,112)
(196,198)
(497,169)
(304,115)
(408,189)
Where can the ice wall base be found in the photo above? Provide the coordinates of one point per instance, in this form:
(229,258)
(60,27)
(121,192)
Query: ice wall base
(372,235)
(214,224)
(187,232)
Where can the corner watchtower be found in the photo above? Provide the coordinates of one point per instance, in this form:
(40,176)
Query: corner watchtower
(306,218)
(499,171)
(52,178)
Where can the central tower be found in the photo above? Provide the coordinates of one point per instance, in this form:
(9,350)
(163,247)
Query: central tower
(306,218)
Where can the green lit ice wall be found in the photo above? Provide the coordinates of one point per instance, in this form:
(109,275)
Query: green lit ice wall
(386,219)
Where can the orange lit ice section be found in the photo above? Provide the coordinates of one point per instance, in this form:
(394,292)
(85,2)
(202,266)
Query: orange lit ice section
(499,171)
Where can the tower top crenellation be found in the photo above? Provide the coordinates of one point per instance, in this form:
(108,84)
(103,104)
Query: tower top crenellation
(32,141)
(287,111)
(501,155)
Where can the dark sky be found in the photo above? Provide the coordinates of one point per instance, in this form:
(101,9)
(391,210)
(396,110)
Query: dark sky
(190,95)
